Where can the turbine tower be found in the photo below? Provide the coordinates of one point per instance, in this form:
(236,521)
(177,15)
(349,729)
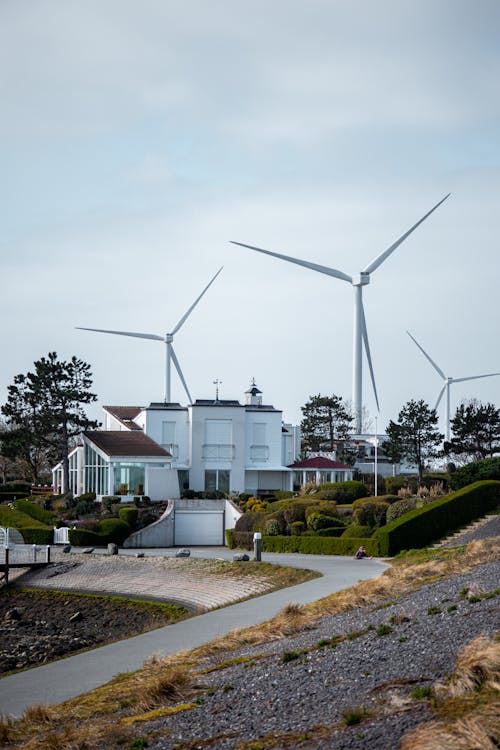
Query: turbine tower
(360,333)
(447,383)
(168,339)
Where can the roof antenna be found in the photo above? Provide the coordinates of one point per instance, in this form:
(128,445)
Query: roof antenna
(217,382)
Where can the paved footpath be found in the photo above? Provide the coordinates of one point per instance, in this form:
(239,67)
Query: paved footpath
(70,677)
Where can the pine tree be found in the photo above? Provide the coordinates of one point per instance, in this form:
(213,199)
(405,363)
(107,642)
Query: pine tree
(326,420)
(44,408)
(414,436)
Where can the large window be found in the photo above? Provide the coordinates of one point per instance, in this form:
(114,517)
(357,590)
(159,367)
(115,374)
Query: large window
(129,478)
(217,479)
(96,472)
(259,450)
(218,439)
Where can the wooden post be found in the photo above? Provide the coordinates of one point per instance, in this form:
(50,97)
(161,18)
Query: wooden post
(48,553)
(6,565)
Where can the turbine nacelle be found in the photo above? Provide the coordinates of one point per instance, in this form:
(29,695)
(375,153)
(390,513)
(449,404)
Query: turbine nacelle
(361,279)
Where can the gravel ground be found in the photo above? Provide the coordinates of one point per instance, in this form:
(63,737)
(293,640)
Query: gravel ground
(490,529)
(266,697)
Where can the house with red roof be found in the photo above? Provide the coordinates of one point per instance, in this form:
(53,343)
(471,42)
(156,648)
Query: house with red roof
(319,470)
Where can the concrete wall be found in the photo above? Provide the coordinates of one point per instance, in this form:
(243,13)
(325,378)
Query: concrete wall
(157,534)
(161,483)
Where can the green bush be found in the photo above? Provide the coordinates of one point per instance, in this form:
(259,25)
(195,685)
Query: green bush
(87,496)
(273,527)
(399,508)
(355,531)
(251,521)
(342,492)
(114,530)
(34,511)
(283,494)
(84,538)
(296,511)
(317,521)
(370,514)
(37,535)
(316,545)
(489,468)
(108,501)
(423,526)
(241,540)
(229,538)
(331,531)
(297,527)
(129,515)
(326,507)
(84,506)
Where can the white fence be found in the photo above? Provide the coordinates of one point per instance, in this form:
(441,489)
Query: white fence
(24,554)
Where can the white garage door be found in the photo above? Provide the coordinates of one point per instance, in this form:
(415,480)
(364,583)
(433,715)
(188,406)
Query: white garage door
(199,527)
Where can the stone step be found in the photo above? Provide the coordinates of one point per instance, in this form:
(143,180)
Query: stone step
(465,530)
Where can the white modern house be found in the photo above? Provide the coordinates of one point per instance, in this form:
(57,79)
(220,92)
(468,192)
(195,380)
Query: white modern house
(165,448)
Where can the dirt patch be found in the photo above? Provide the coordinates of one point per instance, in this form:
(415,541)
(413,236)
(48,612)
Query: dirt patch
(39,626)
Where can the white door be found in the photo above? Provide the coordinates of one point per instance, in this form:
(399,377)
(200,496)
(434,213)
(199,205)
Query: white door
(199,527)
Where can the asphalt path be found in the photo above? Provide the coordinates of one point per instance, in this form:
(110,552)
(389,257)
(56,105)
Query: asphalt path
(75,675)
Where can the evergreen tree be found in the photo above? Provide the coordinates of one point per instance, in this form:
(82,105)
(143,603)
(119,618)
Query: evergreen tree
(475,431)
(325,420)
(44,409)
(414,436)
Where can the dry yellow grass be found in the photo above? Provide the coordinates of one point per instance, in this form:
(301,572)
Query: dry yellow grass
(103,716)
(473,722)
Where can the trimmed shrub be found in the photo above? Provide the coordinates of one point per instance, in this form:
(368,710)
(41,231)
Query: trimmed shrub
(241,540)
(370,514)
(229,538)
(326,507)
(296,511)
(400,508)
(273,527)
(37,535)
(87,496)
(423,526)
(489,468)
(129,515)
(114,530)
(283,494)
(85,506)
(84,538)
(108,501)
(297,527)
(16,519)
(315,545)
(34,511)
(318,520)
(331,531)
(355,531)
(7,496)
(251,521)
(342,492)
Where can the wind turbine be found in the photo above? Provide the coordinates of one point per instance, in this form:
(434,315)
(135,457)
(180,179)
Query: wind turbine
(168,340)
(447,383)
(360,333)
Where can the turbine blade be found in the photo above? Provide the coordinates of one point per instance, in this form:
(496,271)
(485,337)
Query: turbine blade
(305,263)
(440,396)
(438,369)
(188,313)
(179,372)
(474,377)
(380,258)
(124,333)
(368,355)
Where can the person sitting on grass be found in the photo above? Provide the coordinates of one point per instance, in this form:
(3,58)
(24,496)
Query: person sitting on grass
(361,553)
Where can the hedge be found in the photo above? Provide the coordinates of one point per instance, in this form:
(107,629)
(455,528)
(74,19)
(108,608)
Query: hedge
(85,538)
(129,514)
(307,545)
(34,511)
(422,526)
(476,471)
(342,492)
(10,496)
(37,535)
(114,530)
(17,519)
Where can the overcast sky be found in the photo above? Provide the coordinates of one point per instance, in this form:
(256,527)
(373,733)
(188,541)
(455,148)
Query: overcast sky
(138,138)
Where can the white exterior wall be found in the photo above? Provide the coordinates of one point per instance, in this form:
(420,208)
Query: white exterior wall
(151,420)
(199,462)
(272,421)
(291,440)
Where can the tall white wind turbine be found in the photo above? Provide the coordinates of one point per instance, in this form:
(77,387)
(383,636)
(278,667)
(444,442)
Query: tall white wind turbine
(447,383)
(360,333)
(168,339)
